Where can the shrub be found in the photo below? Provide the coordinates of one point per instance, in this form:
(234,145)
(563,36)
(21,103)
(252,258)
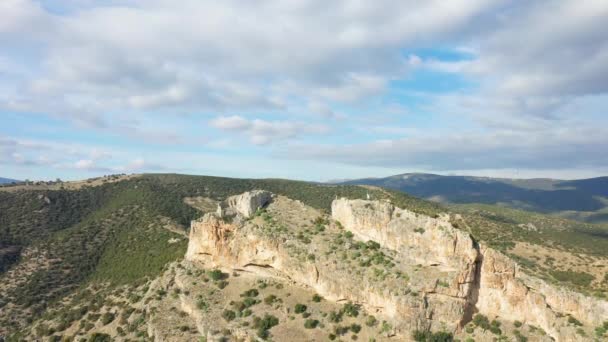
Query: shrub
(264,324)
(107,318)
(355,328)
(340,330)
(316,298)
(311,323)
(351,310)
(216,275)
(270,299)
(371,321)
(202,305)
(300,308)
(248,302)
(427,336)
(574,321)
(250,293)
(99,337)
(517,324)
(481,321)
(335,317)
(228,315)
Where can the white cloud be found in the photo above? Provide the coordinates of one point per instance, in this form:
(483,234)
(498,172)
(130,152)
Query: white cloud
(262,132)
(551,148)
(84,164)
(234,122)
(96,63)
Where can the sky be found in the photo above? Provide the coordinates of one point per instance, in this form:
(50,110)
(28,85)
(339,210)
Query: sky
(303,89)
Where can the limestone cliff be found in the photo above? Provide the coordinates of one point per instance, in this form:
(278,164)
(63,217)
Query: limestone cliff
(497,287)
(425,274)
(245,204)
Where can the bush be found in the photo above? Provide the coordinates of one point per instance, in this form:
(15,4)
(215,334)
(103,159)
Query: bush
(481,321)
(371,321)
(355,328)
(99,337)
(107,318)
(264,324)
(250,293)
(335,317)
(351,310)
(427,336)
(216,275)
(574,321)
(311,323)
(228,315)
(316,298)
(300,308)
(202,305)
(270,299)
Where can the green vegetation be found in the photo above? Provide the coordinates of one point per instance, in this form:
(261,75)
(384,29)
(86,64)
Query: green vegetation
(481,321)
(350,309)
(311,323)
(264,324)
(228,315)
(107,318)
(427,336)
(576,278)
(419,230)
(99,337)
(300,308)
(216,275)
(114,234)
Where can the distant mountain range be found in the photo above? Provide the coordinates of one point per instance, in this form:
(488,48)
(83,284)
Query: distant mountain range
(7,180)
(585,199)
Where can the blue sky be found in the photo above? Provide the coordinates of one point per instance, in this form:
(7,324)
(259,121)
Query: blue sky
(303,89)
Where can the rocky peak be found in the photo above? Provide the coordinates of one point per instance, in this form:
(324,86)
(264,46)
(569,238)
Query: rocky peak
(245,204)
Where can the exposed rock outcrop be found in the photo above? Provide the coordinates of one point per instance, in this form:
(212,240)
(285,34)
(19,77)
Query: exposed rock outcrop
(495,286)
(449,276)
(245,204)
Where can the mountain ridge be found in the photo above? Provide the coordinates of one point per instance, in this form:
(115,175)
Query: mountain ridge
(583,199)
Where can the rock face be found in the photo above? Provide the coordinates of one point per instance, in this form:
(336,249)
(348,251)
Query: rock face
(451,276)
(245,204)
(490,281)
(417,238)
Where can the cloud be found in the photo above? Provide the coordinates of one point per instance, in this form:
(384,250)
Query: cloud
(552,148)
(261,132)
(94,56)
(127,69)
(234,122)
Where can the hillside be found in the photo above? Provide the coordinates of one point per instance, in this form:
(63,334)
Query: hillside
(584,200)
(106,257)
(7,180)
